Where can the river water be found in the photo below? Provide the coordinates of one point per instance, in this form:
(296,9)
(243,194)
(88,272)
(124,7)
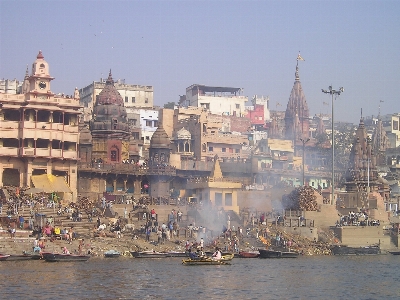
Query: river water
(326,277)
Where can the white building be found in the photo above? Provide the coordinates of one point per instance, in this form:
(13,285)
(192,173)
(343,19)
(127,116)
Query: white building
(136,96)
(218,100)
(9,86)
(148,121)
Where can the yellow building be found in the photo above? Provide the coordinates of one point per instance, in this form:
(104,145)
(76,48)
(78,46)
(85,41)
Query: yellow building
(38,131)
(216,190)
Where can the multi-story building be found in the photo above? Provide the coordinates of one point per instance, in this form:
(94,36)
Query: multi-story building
(8,86)
(39,132)
(217,100)
(133,95)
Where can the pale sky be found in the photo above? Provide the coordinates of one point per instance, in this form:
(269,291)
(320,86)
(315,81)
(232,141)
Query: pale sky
(248,44)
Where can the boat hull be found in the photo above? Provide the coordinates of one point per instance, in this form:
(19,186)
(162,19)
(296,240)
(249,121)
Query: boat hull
(150,254)
(277,254)
(56,257)
(344,250)
(204,262)
(244,254)
(394,252)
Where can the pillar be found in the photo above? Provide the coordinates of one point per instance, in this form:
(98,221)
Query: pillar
(137,186)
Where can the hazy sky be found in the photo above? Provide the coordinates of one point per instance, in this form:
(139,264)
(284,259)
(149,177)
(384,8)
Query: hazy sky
(249,44)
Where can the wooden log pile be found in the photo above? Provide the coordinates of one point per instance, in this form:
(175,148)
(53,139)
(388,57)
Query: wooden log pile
(302,198)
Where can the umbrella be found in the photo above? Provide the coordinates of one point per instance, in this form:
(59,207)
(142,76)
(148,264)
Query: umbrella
(34,191)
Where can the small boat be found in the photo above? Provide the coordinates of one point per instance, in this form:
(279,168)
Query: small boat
(204,261)
(394,252)
(112,254)
(176,254)
(4,257)
(227,257)
(24,256)
(345,250)
(53,257)
(249,254)
(149,254)
(267,253)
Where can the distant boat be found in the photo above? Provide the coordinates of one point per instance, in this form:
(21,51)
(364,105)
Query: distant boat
(53,257)
(112,254)
(156,254)
(24,256)
(249,254)
(266,253)
(204,261)
(345,250)
(394,252)
(4,257)
(149,254)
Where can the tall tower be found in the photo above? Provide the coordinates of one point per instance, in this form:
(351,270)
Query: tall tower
(362,172)
(39,81)
(297,122)
(109,126)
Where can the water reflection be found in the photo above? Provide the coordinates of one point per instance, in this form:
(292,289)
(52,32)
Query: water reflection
(333,277)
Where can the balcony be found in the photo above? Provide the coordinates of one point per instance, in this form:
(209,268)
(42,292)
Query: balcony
(42,152)
(70,154)
(8,151)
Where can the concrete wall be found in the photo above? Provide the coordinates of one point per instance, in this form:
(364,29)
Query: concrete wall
(359,236)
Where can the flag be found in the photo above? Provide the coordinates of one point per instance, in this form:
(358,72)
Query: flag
(299,57)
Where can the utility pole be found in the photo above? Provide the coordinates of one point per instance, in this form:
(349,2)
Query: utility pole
(333,92)
(304,143)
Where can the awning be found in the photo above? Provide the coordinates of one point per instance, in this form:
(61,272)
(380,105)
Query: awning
(51,183)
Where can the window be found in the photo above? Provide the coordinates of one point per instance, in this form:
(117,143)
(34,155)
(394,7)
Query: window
(146,100)
(237,106)
(205,105)
(210,149)
(135,135)
(223,149)
(237,150)
(395,125)
(218,199)
(133,99)
(126,98)
(133,121)
(149,123)
(228,199)
(147,138)
(155,123)
(113,155)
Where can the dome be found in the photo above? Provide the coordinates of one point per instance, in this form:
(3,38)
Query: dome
(160,139)
(110,95)
(183,134)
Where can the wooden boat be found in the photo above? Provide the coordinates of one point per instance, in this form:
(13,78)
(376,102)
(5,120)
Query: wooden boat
(176,254)
(227,257)
(345,250)
(4,257)
(24,256)
(204,261)
(249,254)
(268,253)
(149,254)
(112,254)
(53,257)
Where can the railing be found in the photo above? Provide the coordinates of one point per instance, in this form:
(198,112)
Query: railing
(128,168)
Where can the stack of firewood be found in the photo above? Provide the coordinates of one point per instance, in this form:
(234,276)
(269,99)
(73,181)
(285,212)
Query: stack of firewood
(302,198)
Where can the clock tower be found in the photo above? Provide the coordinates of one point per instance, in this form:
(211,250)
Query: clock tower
(39,81)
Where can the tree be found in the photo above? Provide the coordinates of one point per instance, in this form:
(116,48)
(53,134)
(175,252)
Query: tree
(170,105)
